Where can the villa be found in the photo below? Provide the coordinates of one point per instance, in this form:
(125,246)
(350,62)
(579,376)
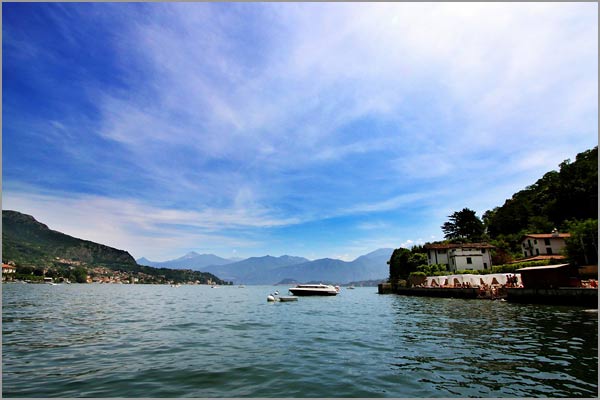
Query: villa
(473,256)
(544,244)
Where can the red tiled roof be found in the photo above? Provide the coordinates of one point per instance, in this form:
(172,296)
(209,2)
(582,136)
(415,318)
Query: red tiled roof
(458,246)
(547,235)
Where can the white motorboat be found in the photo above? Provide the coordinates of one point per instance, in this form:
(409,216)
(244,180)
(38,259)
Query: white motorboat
(275,297)
(317,289)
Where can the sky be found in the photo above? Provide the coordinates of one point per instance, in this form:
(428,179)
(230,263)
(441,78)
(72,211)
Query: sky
(307,129)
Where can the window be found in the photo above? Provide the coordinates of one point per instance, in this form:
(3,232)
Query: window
(547,242)
(484,265)
(537,252)
(529,242)
(548,250)
(535,241)
(469,261)
(482,251)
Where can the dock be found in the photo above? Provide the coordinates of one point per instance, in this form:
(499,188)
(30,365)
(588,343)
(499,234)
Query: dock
(448,292)
(455,293)
(568,296)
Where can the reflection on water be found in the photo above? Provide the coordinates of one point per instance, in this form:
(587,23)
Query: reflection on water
(158,341)
(497,348)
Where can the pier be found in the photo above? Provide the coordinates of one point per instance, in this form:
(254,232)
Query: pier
(458,293)
(571,296)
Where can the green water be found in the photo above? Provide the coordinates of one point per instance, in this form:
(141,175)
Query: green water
(195,341)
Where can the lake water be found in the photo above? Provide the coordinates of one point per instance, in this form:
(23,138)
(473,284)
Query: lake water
(195,341)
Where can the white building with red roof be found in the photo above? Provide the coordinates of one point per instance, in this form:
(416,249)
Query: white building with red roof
(544,244)
(472,256)
(7,269)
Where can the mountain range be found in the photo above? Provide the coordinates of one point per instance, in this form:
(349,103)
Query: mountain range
(269,269)
(191,260)
(28,242)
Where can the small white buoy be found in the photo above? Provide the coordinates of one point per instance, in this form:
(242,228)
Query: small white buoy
(270,298)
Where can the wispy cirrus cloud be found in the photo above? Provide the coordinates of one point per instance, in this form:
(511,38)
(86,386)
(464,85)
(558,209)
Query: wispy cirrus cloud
(258,116)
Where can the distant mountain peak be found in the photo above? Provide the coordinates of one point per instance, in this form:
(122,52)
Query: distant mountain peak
(191,260)
(377,253)
(191,254)
(143,261)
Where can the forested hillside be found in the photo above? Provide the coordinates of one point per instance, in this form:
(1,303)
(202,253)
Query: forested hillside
(566,199)
(37,250)
(26,241)
(559,196)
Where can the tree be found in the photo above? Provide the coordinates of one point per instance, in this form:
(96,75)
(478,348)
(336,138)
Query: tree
(465,225)
(80,274)
(432,270)
(582,246)
(404,261)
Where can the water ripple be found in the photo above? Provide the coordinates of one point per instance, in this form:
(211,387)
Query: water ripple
(156,341)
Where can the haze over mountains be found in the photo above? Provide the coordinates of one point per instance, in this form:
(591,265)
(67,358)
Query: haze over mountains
(28,242)
(191,260)
(269,269)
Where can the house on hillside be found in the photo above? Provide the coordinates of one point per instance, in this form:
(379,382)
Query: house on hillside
(8,271)
(473,256)
(544,244)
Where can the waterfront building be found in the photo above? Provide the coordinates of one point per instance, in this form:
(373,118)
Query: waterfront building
(537,244)
(8,271)
(550,276)
(460,256)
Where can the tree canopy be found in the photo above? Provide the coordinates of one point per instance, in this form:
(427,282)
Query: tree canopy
(582,246)
(404,261)
(464,225)
(559,196)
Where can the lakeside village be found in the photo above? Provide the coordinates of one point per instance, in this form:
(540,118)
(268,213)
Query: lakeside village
(100,275)
(550,280)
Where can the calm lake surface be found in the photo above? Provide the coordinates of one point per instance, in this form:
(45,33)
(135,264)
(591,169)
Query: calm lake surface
(195,341)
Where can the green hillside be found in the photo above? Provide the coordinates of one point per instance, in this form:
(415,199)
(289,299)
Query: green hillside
(566,199)
(28,242)
(569,194)
(36,249)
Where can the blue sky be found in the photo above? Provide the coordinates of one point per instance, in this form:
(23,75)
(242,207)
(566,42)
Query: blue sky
(311,129)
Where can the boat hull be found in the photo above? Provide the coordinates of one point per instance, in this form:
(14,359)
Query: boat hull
(304,292)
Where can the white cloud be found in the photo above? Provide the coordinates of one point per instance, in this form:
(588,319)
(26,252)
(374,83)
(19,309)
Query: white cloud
(388,204)
(334,63)
(140,228)
(477,93)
